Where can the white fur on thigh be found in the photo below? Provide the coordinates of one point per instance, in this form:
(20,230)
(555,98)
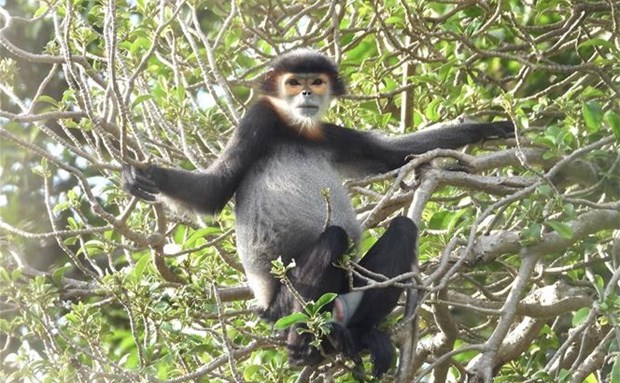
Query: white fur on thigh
(262,287)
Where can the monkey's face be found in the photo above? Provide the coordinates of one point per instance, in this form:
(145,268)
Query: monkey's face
(307,94)
(302,99)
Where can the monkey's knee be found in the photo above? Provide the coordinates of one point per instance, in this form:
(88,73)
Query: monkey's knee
(337,239)
(328,248)
(403,225)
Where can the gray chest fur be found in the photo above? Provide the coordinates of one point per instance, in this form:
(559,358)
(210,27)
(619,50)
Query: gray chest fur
(280,208)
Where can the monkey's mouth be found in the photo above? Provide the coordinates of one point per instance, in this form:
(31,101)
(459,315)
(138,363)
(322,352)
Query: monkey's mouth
(307,110)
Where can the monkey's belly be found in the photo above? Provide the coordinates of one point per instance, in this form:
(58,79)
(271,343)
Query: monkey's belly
(281,209)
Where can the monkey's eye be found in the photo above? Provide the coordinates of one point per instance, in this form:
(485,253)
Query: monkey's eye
(318,81)
(293,82)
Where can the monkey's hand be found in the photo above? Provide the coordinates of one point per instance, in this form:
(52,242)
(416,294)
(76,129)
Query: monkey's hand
(499,130)
(140,183)
(339,341)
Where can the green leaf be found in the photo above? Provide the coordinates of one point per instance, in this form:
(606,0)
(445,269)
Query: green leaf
(432,110)
(141,266)
(41,10)
(250,371)
(599,284)
(615,371)
(593,115)
(74,225)
(288,321)
(366,48)
(179,92)
(564,375)
(561,228)
(4,276)
(47,99)
(394,20)
(140,43)
(613,120)
(59,273)
(531,234)
(201,233)
(323,300)
(70,241)
(141,98)
(179,234)
(597,42)
(580,316)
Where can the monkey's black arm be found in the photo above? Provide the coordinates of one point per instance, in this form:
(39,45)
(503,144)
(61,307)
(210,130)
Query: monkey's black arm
(367,152)
(208,191)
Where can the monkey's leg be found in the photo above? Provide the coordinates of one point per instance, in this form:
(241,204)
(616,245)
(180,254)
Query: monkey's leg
(390,256)
(362,311)
(313,276)
(315,273)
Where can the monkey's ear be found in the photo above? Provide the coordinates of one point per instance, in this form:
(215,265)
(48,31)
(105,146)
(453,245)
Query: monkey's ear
(269,84)
(339,86)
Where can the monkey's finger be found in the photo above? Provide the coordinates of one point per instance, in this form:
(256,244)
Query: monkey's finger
(127,174)
(134,178)
(146,184)
(136,191)
(503,129)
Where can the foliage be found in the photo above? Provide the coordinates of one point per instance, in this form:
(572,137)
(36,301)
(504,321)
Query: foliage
(519,259)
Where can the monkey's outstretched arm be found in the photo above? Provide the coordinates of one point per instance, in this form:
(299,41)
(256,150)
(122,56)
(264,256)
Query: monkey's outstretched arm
(450,137)
(208,191)
(368,153)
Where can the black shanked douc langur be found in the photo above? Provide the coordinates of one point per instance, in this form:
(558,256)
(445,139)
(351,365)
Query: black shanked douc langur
(277,164)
